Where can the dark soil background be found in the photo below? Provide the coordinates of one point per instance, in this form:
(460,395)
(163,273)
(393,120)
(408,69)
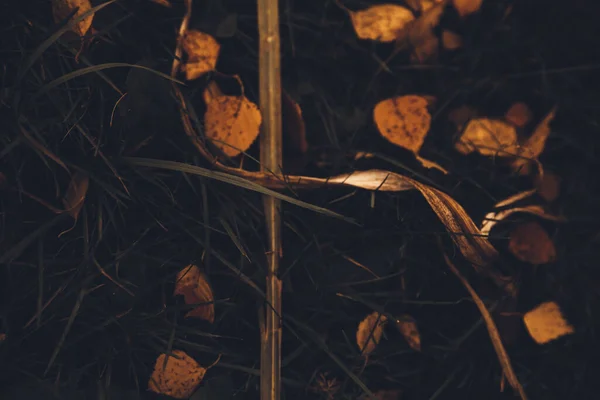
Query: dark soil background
(94,340)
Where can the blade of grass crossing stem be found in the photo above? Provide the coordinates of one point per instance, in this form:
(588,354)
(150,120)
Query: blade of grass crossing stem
(270,157)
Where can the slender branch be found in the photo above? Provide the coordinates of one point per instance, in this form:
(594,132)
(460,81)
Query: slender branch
(271,159)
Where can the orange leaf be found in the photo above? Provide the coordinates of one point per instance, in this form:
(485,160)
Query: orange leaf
(489,138)
(546,323)
(369,332)
(203,52)
(193,285)
(530,243)
(382,22)
(519,114)
(403,121)
(76,192)
(407,326)
(232,123)
(534,146)
(466,7)
(61,9)
(179,378)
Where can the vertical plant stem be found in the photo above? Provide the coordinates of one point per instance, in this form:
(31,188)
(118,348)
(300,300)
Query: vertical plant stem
(270,157)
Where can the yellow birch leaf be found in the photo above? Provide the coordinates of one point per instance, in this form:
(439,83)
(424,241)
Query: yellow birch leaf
(519,114)
(232,123)
(534,146)
(179,378)
(75,195)
(403,121)
(193,285)
(61,9)
(466,7)
(407,326)
(546,323)
(369,332)
(488,137)
(530,243)
(382,22)
(202,51)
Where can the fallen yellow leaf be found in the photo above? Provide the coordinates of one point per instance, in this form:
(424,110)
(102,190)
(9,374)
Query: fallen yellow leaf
(382,22)
(232,123)
(61,9)
(193,285)
(75,195)
(488,137)
(466,7)
(179,378)
(407,326)
(534,146)
(370,331)
(403,121)
(546,323)
(202,51)
(530,243)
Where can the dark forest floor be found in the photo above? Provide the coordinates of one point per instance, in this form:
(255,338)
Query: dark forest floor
(94,338)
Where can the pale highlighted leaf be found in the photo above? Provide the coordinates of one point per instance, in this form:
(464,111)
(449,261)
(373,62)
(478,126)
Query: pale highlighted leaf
(232,123)
(546,323)
(530,243)
(61,9)
(369,332)
(202,51)
(403,121)
(178,377)
(407,326)
(489,137)
(382,22)
(193,285)
(492,218)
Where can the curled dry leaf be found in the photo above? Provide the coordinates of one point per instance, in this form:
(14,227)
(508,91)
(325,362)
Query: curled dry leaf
(546,323)
(548,186)
(492,218)
(202,51)
(382,22)
(530,243)
(466,7)
(193,285)
(294,130)
(369,332)
(231,123)
(407,326)
(519,114)
(403,121)
(178,378)
(534,146)
(488,137)
(76,192)
(61,9)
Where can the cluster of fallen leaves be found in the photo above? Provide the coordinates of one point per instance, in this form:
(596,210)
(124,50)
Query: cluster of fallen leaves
(232,124)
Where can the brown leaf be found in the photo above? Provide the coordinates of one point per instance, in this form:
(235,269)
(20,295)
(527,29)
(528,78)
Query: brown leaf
(451,40)
(202,51)
(193,285)
(369,332)
(546,323)
(179,378)
(548,186)
(534,146)
(294,129)
(403,121)
(380,22)
(489,138)
(492,218)
(76,192)
(232,123)
(407,326)
(61,9)
(419,35)
(461,115)
(530,243)
(519,114)
(466,7)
